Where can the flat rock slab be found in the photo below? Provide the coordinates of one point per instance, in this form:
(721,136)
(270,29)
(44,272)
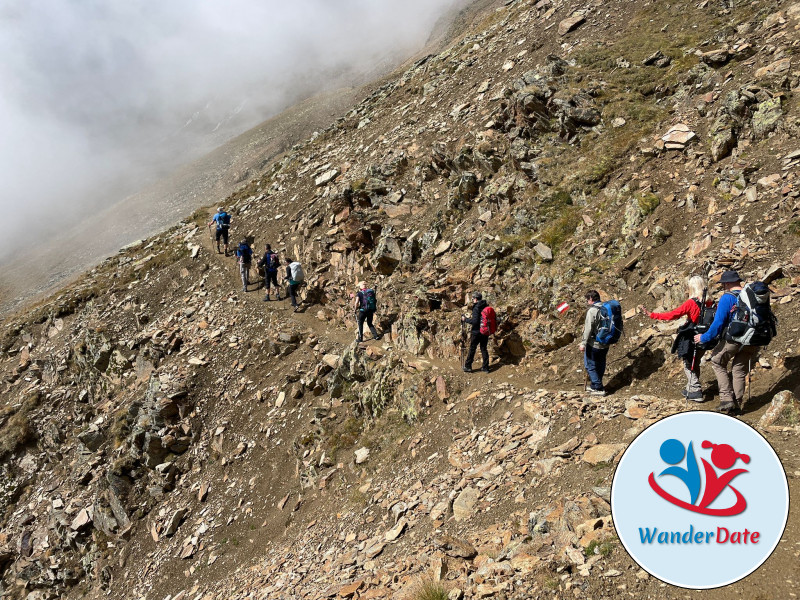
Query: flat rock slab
(602,453)
(570,24)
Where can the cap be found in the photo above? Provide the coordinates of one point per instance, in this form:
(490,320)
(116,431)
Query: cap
(477,295)
(730,277)
(220,209)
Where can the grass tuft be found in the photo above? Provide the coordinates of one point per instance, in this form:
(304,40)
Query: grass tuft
(427,588)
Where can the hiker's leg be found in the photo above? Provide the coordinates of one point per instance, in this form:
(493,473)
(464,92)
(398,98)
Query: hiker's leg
(719,362)
(274,277)
(293,293)
(484,343)
(740,367)
(600,364)
(361,316)
(692,374)
(218,235)
(473,345)
(590,361)
(372,329)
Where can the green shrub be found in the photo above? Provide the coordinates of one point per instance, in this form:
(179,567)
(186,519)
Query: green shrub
(648,203)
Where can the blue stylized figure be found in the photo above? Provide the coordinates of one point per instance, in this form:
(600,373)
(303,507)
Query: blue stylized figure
(672,452)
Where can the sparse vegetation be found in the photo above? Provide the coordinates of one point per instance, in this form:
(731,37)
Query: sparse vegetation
(602,548)
(648,203)
(427,588)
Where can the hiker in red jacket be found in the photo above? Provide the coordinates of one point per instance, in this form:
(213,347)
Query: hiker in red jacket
(684,345)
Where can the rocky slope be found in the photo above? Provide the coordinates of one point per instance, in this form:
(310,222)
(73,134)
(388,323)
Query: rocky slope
(165,435)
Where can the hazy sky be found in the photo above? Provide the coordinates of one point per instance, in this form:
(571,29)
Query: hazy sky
(97,97)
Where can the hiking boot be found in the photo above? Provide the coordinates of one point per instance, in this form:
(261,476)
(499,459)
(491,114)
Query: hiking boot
(696,396)
(727,408)
(684,393)
(485,369)
(467,369)
(597,393)
(296,308)
(266,298)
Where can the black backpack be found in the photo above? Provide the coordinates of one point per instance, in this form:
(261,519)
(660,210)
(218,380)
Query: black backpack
(752,322)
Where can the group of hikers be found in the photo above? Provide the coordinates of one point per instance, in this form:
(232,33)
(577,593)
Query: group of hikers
(269,263)
(733,329)
(365,301)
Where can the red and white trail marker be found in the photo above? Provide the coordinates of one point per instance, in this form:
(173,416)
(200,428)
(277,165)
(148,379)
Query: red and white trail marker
(562,308)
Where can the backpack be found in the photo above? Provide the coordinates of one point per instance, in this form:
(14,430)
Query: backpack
(488,321)
(224,220)
(369,300)
(610,327)
(752,322)
(272,262)
(244,252)
(704,322)
(296,269)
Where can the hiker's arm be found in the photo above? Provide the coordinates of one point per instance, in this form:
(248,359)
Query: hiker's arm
(587,327)
(683,309)
(720,319)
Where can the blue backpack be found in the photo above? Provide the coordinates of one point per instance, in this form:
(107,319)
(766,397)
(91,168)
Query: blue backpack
(223,220)
(610,327)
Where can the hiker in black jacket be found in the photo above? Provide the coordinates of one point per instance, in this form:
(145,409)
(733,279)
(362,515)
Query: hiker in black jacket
(270,263)
(477,338)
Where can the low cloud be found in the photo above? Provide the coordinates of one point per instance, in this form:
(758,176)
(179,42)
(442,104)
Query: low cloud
(101,98)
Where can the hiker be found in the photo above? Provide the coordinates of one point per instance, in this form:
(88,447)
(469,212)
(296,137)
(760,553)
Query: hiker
(594,352)
(270,263)
(294,277)
(245,255)
(223,222)
(365,303)
(483,322)
(740,354)
(684,345)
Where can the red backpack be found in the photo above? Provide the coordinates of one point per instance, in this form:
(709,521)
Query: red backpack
(488,321)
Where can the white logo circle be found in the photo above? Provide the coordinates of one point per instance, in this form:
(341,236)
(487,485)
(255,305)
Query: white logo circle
(699,500)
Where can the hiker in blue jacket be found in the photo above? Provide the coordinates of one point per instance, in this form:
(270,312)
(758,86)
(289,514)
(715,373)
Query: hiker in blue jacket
(731,386)
(223,221)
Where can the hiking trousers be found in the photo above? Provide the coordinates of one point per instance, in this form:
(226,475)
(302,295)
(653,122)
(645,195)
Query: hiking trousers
(244,269)
(366,315)
(475,340)
(731,385)
(692,374)
(594,359)
(293,293)
(271,277)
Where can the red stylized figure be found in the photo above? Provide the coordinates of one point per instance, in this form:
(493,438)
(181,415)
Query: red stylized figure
(724,457)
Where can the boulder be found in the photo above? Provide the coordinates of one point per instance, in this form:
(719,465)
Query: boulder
(783,407)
